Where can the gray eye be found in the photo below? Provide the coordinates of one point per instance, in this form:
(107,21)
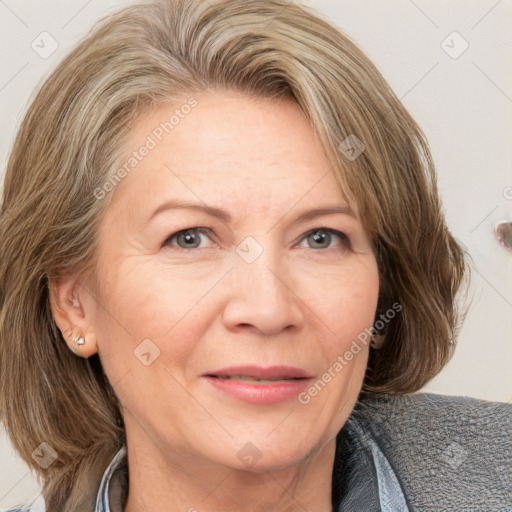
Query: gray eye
(320,236)
(186,239)
(190,239)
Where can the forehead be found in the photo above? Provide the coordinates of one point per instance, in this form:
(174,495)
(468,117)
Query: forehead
(227,148)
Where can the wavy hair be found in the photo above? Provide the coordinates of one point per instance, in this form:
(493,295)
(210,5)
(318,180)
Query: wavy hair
(69,145)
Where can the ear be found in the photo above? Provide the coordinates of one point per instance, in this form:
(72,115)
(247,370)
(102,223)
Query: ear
(377,341)
(70,305)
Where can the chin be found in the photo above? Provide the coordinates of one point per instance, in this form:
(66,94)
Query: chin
(263,454)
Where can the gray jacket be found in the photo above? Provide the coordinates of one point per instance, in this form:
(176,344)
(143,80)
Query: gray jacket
(425,452)
(396,453)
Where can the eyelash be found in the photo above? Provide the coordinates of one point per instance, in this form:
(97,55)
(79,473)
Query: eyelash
(205,231)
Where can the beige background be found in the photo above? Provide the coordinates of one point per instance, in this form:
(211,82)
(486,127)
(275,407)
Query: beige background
(462,102)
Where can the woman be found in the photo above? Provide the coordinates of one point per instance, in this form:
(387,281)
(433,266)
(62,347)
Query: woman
(225,272)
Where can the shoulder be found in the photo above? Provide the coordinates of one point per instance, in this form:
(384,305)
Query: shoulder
(431,409)
(446,450)
(463,428)
(444,417)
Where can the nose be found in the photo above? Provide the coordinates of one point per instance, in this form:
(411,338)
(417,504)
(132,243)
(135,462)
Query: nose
(261,296)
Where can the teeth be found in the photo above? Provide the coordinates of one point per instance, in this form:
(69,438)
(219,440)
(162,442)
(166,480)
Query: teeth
(250,379)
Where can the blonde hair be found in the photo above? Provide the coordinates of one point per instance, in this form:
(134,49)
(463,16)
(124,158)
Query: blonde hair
(69,145)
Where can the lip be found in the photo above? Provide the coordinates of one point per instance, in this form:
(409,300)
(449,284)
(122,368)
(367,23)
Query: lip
(263,393)
(263,372)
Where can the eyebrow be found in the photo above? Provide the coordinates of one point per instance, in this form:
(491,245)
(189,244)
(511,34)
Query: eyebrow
(226,217)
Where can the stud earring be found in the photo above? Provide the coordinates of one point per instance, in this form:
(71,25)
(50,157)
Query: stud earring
(79,340)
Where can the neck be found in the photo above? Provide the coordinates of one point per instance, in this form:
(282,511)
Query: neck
(174,482)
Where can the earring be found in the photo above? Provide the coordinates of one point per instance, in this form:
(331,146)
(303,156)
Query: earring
(79,340)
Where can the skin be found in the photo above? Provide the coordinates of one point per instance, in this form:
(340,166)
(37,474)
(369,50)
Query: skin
(301,302)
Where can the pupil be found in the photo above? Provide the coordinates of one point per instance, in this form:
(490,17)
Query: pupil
(189,238)
(318,235)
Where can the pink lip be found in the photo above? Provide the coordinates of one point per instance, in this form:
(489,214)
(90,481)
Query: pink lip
(260,372)
(260,393)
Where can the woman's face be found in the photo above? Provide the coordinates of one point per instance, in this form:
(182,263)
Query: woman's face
(191,304)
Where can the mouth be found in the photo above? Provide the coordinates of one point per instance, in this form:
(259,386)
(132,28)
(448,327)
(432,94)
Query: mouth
(259,385)
(245,378)
(261,374)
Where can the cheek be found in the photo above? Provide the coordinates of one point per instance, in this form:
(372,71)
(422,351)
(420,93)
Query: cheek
(350,310)
(134,300)
(350,301)
(154,299)
(151,309)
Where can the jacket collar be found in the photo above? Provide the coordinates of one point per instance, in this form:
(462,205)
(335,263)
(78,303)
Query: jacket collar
(113,489)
